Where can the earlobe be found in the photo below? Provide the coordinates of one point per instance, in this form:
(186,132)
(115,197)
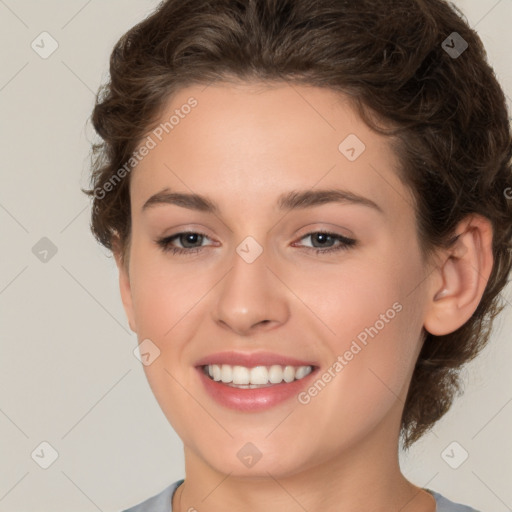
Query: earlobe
(458,283)
(125,289)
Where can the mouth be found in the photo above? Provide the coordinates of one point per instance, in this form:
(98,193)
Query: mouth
(253,382)
(244,377)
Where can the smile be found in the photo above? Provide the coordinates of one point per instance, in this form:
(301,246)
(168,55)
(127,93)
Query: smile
(244,377)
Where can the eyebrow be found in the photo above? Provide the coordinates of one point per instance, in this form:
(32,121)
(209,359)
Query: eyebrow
(292,200)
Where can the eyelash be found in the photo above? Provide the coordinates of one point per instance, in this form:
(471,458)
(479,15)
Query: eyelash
(164,243)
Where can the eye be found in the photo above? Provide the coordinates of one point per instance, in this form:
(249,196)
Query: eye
(324,238)
(191,242)
(186,239)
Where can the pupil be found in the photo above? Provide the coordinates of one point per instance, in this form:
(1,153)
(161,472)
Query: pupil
(322,235)
(189,238)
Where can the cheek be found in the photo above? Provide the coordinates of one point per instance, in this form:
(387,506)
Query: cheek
(369,372)
(162,293)
(374,316)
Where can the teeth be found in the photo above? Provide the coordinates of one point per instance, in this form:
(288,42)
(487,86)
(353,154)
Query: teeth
(301,372)
(256,376)
(259,375)
(241,375)
(226,373)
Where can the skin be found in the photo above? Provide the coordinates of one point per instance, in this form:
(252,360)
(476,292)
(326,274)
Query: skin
(242,146)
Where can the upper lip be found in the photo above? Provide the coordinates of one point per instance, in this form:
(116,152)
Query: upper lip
(251,359)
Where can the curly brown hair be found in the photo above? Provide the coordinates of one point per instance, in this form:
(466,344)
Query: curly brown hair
(410,77)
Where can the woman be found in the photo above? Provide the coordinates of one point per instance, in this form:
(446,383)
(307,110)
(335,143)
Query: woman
(307,203)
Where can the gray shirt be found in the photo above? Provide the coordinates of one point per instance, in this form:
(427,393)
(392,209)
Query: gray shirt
(162,502)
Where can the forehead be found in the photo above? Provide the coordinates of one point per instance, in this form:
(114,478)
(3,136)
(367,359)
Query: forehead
(226,140)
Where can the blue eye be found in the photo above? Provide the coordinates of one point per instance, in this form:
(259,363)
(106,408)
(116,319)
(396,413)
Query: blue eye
(193,237)
(188,237)
(323,236)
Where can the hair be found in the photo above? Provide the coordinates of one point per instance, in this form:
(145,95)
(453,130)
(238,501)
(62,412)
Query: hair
(445,116)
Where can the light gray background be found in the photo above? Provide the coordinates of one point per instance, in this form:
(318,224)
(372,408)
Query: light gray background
(68,375)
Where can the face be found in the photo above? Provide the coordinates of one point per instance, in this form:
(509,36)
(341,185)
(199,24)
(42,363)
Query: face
(303,252)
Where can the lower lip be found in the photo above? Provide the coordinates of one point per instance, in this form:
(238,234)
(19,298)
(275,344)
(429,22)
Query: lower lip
(256,399)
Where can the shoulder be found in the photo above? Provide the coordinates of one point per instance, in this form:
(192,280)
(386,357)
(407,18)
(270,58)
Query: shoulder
(161,502)
(446,505)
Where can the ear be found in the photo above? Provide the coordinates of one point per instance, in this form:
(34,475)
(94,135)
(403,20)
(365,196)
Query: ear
(461,275)
(124,285)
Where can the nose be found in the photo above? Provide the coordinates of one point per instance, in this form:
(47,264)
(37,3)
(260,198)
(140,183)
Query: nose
(251,298)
